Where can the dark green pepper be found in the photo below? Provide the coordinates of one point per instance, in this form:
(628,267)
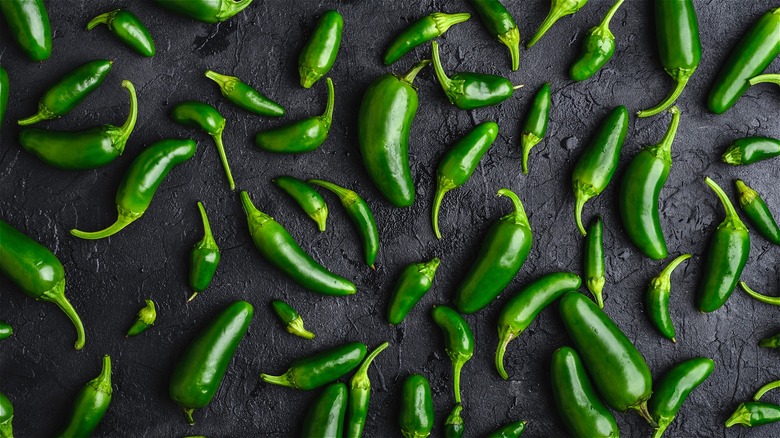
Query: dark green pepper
(757,212)
(509,430)
(204,258)
(91,404)
(453,425)
(500,23)
(244,96)
(28,24)
(676,385)
(146,318)
(773,78)
(416,418)
(5,330)
(414,282)
(595,268)
(6,417)
(458,341)
(319,53)
(207,11)
(749,150)
(558,10)
(775,301)
(320,368)
(770,342)
(597,48)
(293,322)
(657,299)
(4,93)
(535,125)
(206,117)
(420,32)
(751,414)
(140,183)
(360,394)
(128,28)
(304,194)
(325,417)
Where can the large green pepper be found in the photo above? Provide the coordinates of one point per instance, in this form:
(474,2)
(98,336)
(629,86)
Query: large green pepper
(319,53)
(675,386)
(325,417)
(90,404)
(416,418)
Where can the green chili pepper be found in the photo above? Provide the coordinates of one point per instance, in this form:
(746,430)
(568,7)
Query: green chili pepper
(763,298)
(536,123)
(360,394)
(459,163)
(619,371)
(91,404)
(453,425)
(146,318)
(384,121)
(595,269)
(304,194)
(4,87)
(728,253)
(657,299)
(770,342)
(416,418)
(757,48)
(291,319)
(37,272)
(6,417)
(558,10)
(520,311)
(677,32)
(141,181)
(301,136)
(204,258)
(765,79)
(420,32)
(244,96)
(5,330)
(207,11)
(276,245)
(361,216)
(677,384)
(751,414)
(206,117)
(128,28)
(28,24)
(319,53)
(597,164)
(757,212)
(468,90)
(766,388)
(639,192)
(458,341)
(583,414)
(202,366)
(414,282)
(325,417)
(749,150)
(320,368)
(503,252)
(500,23)
(509,430)
(597,48)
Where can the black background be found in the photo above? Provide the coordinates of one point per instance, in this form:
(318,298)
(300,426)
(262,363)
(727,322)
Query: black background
(107,280)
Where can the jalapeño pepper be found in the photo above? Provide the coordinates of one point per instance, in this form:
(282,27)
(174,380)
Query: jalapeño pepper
(244,96)
(749,150)
(28,24)
(128,28)
(204,258)
(320,368)
(420,32)
(325,417)
(598,48)
(500,23)
(319,53)
(415,280)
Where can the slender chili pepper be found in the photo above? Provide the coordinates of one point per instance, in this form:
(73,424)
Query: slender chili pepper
(416,418)
(37,272)
(90,404)
(757,48)
(583,414)
(459,163)
(146,318)
(558,10)
(360,394)
(757,212)
(277,246)
(301,136)
(453,425)
(304,194)
(520,311)
(200,370)
(415,281)
(458,341)
(204,258)
(325,417)
(677,33)
(291,319)
(535,123)
(4,93)
(749,150)
(5,330)
(597,48)
(657,299)
(509,430)
(618,370)
(420,32)
(468,90)
(500,23)
(597,164)
(595,267)
(770,342)
(384,121)
(138,186)
(775,301)
(676,385)
(751,414)
(244,96)
(6,417)
(320,368)
(319,53)
(128,28)
(206,117)
(503,252)
(207,11)
(639,192)
(360,213)
(28,24)
(728,253)
(765,79)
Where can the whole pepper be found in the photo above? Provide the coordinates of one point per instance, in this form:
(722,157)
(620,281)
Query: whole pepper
(321,368)
(751,414)
(593,260)
(319,53)
(500,23)
(415,281)
(325,417)
(657,299)
(676,385)
(4,93)
(535,125)
(28,24)
(749,150)
(509,430)
(207,11)
(146,318)
(416,418)
(360,394)
(90,404)
(6,417)
(5,330)
(206,117)
(420,32)
(304,195)
(128,28)
(244,96)
(558,10)
(757,212)
(293,322)
(204,258)
(597,48)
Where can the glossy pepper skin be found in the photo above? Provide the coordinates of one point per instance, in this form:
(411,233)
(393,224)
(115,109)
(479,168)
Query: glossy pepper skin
(202,366)
(597,164)
(757,48)
(751,414)
(204,257)
(503,252)
(4,93)
(320,368)
(207,11)
(28,23)
(325,417)
(204,116)
(304,195)
(384,121)
(140,183)
(458,341)
(597,48)
(775,301)
(757,212)
(37,272)
(509,430)
(727,255)
(674,387)
(360,395)
(500,23)
(319,53)
(640,190)
(415,281)
(420,32)
(749,150)
(6,417)
(90,404)
(595,268)
(146,318)
(416,417)
(244,96)
(453,425)
(5,330)
(293,322)
(277,246)
(522,309)
(535,125)
(582,412)
(459,163)
(558,10)
(126,26)
(657,299)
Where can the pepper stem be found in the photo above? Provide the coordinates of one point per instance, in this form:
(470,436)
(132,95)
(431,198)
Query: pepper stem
(610,13)
(231,8)
(208,238)
(360,379)
(580,200)
(346,196)
(773,78)
(327,117)
(671,131)
(123,219)
(775,301)
(444,80)
(104,18)
(102,382)
(127,128)
(192,297)
(740,416)
(511,39)
(224,82)
(746,194)
(666,273)
(35,118)
(504,338)
(295,327)
(443,186)
(188,415)
(641,409)
(444,21)
(320,217)
(554,15)
(682,79)
(766,388)
(282,380)
(411,74)
(457,365)
(528,140)
(519,215)
(221,150)
(662,425)
(56,295)
(731,213)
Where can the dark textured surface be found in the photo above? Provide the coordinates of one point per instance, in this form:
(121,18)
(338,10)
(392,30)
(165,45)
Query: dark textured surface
(109,279)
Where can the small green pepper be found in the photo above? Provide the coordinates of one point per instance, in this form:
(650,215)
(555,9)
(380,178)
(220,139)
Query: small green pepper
(500,23)
(770,342)
(775,301)
(773,78)
(360,394)
(420,32)
(558,10)
(5,330)
(415,281)
(416,418)
(751,414)
(204,258)
(128,28)
(509,430)
(319,53)
(146,318)
(206,117)
(597,48)
(28,24)
(293,322)
(453,425)
(304,194)
(207,11)
(757,212)
(4,93)
(321,368)
(749,150)
(6,417)
(244,96)
(325,417)
(657,299)
(90,404)
(535,125)
(458,341)
(676,385)
(595,268)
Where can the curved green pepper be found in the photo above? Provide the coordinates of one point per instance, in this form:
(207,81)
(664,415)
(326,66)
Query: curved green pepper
(207,11)
(91,404)
(597,48)
(28,23)
(772,78)
(749,150)
(509,430)
(325,417)
(657,299)
(757,212)
(360,394)
(5,330)
(320,368)
(126,26)
(304,194)
(244,96)
(595,269)
(416,418)
(420,32)
(675,386)
(415,281)
(558,10)
(206,117)
(500,23)
(6,417)
(775,301)
(293,322)
(319,53)
(204,258)
(146,318)
(535,125)
(4,93)
(751,414)
(458,341)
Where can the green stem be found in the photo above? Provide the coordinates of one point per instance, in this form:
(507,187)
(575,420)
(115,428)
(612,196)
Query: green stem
(528,140)
(659,431)
(444,21)
(456,367)
(188,415)
(192,297)
(740,416)
(295,327)
(221,150)
(282,380)
(611,13)
(666,273)
(746,194)
(682,80)
(504,338)
(553,16)
(360,379)
(42,114)
(511,39)
(766,388)
(124,219)
(127,128)
(671,131)
(644,413)
(208,238)
(773,78)
(519,215)
(775,301)
(580,200)
(327,117)
(444,80)
(225,82)
(346,196)
(731,213)
(411,74)
(104,18)
(102,383)
(443,186)
(56,295)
